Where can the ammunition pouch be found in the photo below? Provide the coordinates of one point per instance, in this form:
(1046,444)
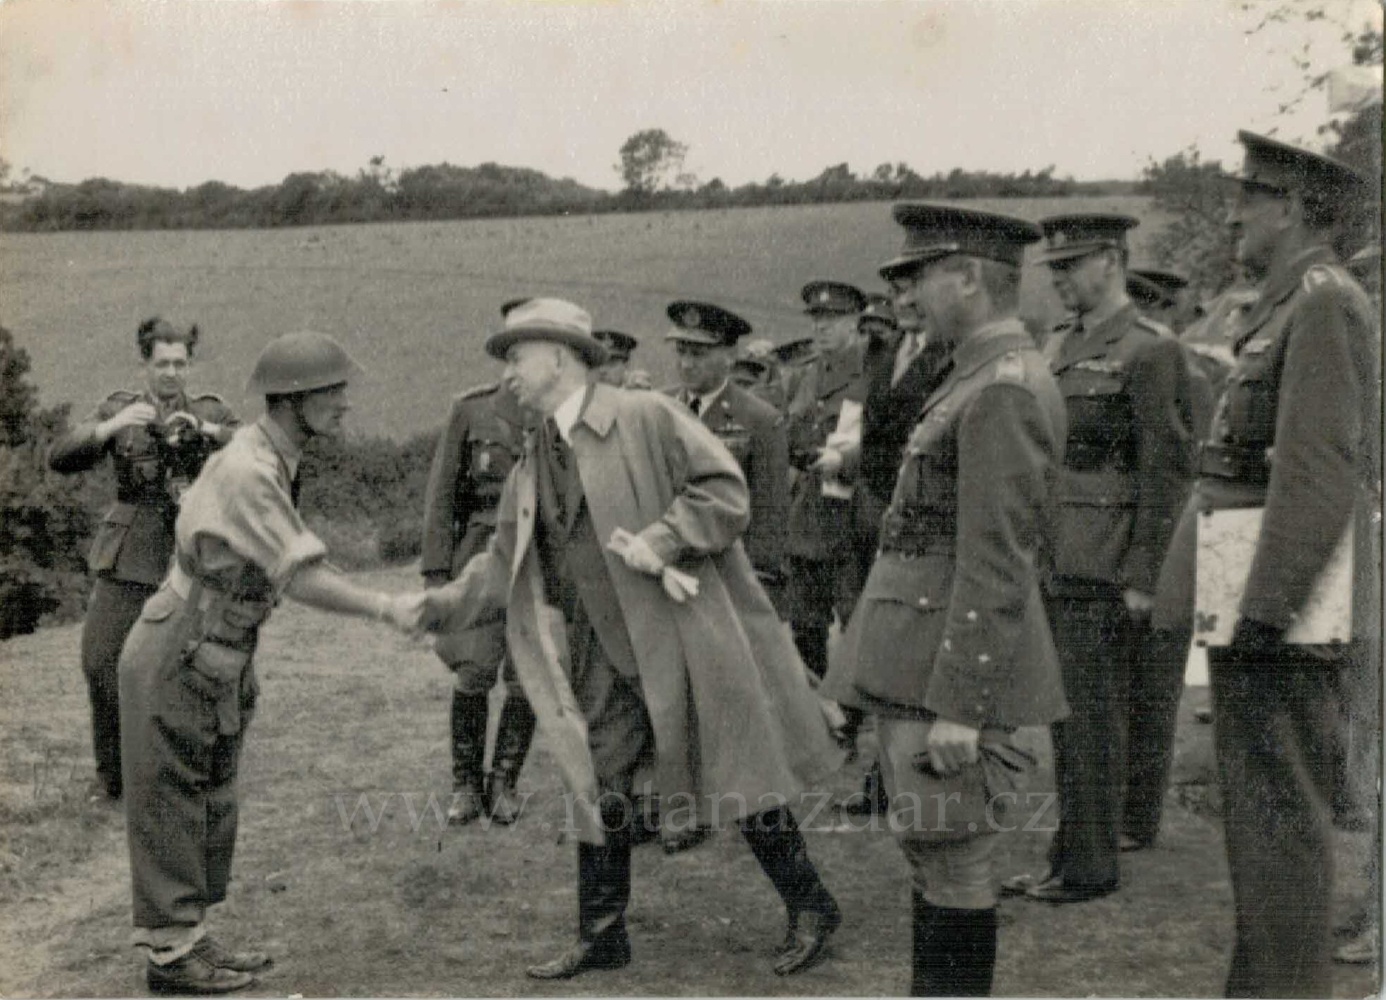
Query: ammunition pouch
(217,658)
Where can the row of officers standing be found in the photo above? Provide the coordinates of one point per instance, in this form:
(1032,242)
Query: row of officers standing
(1003,530)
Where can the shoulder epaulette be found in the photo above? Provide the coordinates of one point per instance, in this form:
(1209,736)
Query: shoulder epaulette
(1009,367)
(486,389)
(1321,275)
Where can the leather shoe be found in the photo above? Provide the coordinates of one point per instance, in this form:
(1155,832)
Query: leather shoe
(1364,948)
(684,840)
(1055,890)
(210,951)
(807,937)
(466,805)
(193,975)
(583,957)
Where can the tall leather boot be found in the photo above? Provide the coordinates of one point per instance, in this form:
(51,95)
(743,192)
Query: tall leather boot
(603,895)
(513,737)
(954,950)
(468,753)
(813,914)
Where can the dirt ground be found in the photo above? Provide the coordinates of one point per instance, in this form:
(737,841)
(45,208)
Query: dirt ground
(346,872)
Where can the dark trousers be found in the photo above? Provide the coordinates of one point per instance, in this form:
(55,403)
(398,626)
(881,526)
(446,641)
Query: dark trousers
(1273,733)
(1155,682)
(181,808)
(1091,636)
(112,611)
(818,590)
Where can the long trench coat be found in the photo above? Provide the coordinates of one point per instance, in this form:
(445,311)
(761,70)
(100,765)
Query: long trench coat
(735,722)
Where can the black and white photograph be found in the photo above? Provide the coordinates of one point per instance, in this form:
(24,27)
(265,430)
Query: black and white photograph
(691,498)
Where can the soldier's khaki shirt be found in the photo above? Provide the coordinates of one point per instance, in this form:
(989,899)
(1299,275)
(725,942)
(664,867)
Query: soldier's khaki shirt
(238,517)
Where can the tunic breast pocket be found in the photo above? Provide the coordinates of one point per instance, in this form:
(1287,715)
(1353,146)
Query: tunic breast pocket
(1097,404)
(1251,408)
(491,461)
(110,536)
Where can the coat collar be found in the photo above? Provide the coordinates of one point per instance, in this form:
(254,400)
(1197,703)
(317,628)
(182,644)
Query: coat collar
(987,344)
(1281,282)
(600,412)
(1094,343)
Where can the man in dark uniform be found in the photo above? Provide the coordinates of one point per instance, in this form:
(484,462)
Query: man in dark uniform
(1127,466)
(1297,435)
(705,337)
(481,441)
(626,670)
(617,371)
(1160,294)
(822,581)
(950,647)
(188,688)
(792,359)
(158,440)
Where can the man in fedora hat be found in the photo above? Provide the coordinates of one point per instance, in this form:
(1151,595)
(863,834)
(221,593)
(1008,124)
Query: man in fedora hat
(1125,475)
(1295,434)
(640,634)
(950,647)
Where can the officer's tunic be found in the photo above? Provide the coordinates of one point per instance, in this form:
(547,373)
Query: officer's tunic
(951,623)
(819,542)
(187,683)
(754,433)
(479,445)
(1125,476)
(134,541)
(1296,432)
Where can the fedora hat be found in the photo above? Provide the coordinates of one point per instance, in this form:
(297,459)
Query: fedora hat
(552,320)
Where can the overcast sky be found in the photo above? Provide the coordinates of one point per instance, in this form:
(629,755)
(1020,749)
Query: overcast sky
(182,91)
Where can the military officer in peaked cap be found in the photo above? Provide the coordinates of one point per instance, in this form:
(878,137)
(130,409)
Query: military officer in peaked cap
(480,443)
(822,581)
(1159,294)
(616,370)
(705,338)
(158,440)
(950,647)
(1127,466)
(1296,434)
(187,677)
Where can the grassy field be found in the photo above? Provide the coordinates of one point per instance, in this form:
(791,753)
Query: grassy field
(415,300)
(345,872)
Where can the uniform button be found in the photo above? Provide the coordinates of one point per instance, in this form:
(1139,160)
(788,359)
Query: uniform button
(984,658)
(972,616)
(986,692)
(923,602)
(524,512)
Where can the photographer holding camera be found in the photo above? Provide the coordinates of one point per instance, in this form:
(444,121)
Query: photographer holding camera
(158,440)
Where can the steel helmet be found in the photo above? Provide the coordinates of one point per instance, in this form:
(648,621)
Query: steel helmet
(301,362)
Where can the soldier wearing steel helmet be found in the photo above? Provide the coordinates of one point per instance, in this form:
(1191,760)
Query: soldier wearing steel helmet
(158,440)
(187,679)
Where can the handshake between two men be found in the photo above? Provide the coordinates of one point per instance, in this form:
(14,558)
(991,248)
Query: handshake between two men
(426,611)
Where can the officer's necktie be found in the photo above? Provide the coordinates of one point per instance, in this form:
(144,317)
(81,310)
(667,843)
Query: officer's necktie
(294,486)
(696,405)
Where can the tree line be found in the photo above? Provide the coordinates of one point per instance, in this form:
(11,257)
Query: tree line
(445,191)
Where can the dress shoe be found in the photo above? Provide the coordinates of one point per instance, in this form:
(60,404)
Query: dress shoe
(806,939)
(684,840)
(506,805)
(210,951)
(1055,890)
(1203,715)
(1127,843)
(193,975)
(466,805)
(1363,948)
(583,957)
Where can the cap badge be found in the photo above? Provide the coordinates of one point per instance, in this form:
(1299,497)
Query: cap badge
(824,295)
(691,318)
